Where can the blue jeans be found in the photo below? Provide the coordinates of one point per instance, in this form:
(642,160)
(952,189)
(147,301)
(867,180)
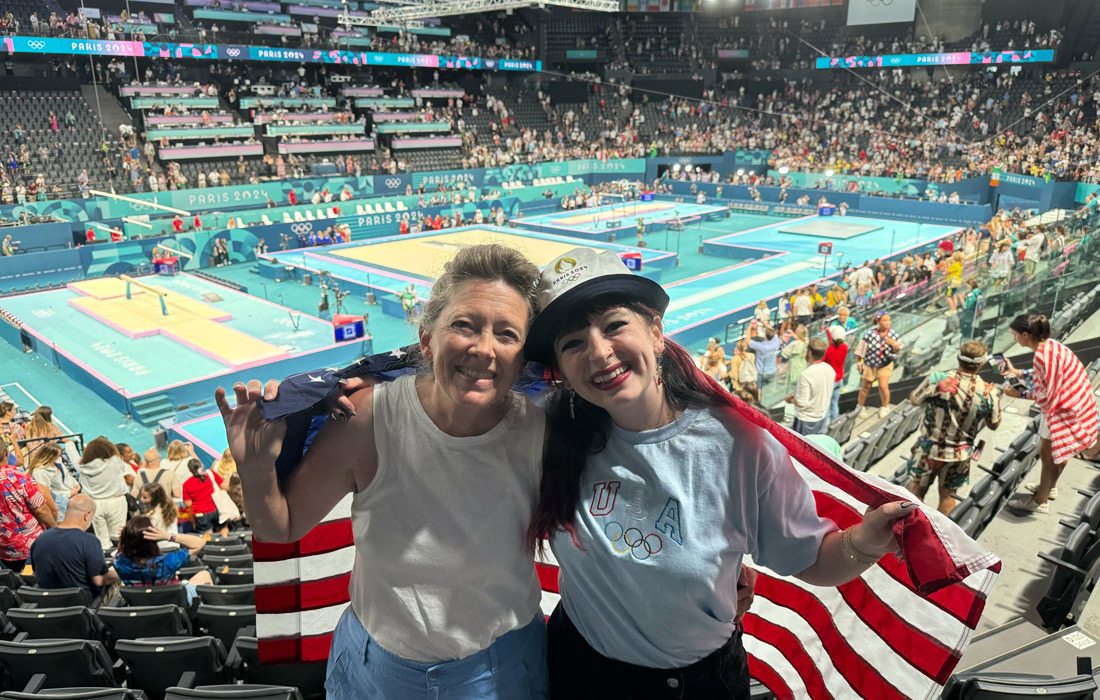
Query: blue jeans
(513,667)
(834,405)
(817,427)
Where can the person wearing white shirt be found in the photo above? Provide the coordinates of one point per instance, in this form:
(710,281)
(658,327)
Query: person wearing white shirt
(814,391)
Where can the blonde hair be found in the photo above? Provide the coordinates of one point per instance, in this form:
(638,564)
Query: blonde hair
(45,455)
(41,424)
(227,466)
(491,262)
(177,450)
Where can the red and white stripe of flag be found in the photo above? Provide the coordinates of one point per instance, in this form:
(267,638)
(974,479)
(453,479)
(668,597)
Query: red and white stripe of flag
(897,631)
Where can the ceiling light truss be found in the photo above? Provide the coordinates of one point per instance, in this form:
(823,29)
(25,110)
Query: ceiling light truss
(410,13)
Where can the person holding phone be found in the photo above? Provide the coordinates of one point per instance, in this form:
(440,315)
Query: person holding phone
(1058,383)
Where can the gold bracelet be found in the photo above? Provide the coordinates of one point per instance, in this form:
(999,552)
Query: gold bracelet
(852,552)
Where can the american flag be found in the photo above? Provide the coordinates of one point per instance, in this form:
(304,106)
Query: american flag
(897,631)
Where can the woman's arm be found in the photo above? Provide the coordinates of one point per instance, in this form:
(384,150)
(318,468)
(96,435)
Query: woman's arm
(193,543)
(846,554)
(341,460)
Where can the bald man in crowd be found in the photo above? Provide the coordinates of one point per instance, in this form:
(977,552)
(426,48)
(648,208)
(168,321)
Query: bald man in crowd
(68,556)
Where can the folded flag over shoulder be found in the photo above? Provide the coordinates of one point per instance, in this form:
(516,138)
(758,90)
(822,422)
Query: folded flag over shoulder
(897,631)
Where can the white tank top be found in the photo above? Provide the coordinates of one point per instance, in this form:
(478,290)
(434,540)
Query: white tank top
(440,566)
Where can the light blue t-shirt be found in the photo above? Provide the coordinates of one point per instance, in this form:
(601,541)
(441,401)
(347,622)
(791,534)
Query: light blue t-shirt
(664,520)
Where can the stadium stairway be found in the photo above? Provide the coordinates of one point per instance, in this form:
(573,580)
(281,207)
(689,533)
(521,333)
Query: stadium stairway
(110,111)
(151,410)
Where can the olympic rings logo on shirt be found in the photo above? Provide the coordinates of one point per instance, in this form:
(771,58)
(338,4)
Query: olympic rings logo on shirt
(631,540)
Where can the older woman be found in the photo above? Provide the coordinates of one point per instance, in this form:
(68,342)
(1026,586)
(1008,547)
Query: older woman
(640,442)
(443,586)
(1060,386)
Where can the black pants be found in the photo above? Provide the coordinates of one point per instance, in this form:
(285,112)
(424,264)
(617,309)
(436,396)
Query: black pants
(579,672)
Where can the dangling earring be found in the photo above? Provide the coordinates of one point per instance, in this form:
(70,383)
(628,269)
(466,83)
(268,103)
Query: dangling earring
(572,397)
(660,370)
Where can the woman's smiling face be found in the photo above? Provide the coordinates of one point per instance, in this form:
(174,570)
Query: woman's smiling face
(612,361)
(476,346)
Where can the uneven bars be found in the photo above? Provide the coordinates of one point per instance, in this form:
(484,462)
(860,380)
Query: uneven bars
(174,252)
(135,222)
(154,205)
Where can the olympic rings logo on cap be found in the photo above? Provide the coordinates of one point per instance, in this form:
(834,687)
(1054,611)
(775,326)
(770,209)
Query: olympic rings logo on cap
(631,539)
(564,265)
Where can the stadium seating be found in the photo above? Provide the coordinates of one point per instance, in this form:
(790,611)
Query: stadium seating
(76,622)
(158,663)
(65,662)
(226,622)
(133,622)
(309,678)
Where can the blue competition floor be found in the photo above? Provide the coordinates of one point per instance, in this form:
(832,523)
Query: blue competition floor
(765,263)
(388,265)
(715,270)
(136,365)
(620,218)
(744,260)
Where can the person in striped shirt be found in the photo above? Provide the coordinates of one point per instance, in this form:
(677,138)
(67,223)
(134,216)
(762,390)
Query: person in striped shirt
(1059,385)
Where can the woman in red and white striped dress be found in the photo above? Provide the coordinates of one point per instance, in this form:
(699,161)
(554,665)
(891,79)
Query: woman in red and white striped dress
(1060,386)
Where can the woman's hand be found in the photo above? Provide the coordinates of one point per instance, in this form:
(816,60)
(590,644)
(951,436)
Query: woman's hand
(74,490)
(746,591)
(255,443)
(155,534)
(875,535)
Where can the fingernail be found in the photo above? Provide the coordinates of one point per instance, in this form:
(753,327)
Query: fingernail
(908,504)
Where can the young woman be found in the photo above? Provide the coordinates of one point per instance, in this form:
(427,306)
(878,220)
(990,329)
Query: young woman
(160,508)
(835,355)
(1058,383)
(11,433)
(655,485)
(140,562)
(175,460)
(198,496)
(41,425)
(794,353)
(56,484)
(107,479)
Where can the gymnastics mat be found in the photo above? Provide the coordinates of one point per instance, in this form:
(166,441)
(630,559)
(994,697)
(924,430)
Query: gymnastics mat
(830,227)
